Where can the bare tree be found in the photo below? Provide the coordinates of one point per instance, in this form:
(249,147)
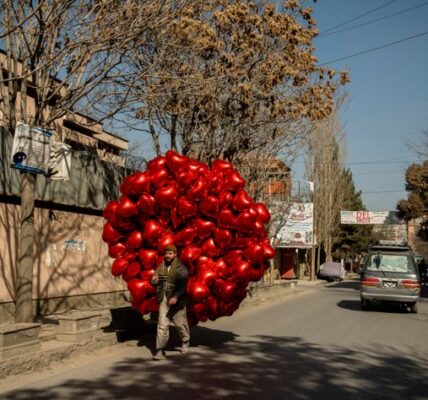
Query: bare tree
(325,169)
(56,52)
(225,79)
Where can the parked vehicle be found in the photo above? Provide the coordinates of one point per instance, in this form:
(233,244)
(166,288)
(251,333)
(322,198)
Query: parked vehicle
(332,271)
(390,274)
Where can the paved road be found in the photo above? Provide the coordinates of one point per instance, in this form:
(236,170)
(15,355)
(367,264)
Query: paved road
(315,345)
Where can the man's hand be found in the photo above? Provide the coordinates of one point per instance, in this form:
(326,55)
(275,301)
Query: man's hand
(172,301)
(155,279)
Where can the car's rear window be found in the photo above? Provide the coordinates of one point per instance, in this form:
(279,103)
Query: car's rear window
(389,263)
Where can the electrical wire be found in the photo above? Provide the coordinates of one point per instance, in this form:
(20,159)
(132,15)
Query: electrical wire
(381,162)
(384,191)
(372,21)
(358,17)
(375,48)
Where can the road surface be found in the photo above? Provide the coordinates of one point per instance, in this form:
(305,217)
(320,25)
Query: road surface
(312,345)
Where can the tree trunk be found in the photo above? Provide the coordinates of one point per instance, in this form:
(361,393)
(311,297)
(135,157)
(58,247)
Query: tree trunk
(24,284)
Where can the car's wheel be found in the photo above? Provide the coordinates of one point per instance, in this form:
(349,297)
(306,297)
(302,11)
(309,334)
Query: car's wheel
(364,304)
(413,308)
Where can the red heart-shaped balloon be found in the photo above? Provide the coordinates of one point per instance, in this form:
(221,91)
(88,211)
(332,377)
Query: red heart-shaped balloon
(209,206)
(256,274)
(153,231)
(207,276)
(222,237)
(110,234)
(221,166)
(245,222)
(132,271)
(241,201)
(176,161)
(166,239)
(242,271)
(254,253)
(110,210)
(159,177)
(146,204)
(268,250)
(135,240)
(126,208)
(185,236)
(221,268)
(139,289)
(203,228)
(189,254)
(194,166)
(116,250)
(233,181)
(148,258)
(242,242)
(186,208)
(224,199)
(135,184)
(119,266)
(147,274)
(232,257)
(209,248)
(198,190)
(156,163)
(224,288)
(185,178)
(226,219)
(197,291)
(165,196)
(216,183)
(262,212)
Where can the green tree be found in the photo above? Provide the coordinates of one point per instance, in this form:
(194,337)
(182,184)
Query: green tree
(350,240)
(416,204)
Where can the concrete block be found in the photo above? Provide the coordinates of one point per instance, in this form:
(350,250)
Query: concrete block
(78,326)
(18,339)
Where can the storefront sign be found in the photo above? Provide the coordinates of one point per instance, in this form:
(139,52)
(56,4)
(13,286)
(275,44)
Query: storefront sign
(369,217)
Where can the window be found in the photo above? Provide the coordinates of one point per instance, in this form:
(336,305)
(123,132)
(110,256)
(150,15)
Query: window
(389,263)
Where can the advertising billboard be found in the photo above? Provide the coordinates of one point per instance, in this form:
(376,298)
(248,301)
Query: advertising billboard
(297,230)
(31,149)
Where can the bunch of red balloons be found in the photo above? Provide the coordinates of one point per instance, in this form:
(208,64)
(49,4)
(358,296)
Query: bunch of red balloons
(217,228)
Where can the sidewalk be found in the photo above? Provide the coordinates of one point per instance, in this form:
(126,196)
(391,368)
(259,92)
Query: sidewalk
(115,327)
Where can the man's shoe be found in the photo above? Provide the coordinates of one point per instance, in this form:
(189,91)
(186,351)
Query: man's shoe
(159,355)
(185,347)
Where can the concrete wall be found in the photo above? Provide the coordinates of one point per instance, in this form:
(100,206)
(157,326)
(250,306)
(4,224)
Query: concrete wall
(71,259)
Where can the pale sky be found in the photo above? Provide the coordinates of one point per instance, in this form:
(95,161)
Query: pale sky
(388,104)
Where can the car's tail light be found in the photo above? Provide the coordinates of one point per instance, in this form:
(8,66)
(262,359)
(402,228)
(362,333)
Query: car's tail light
(371,282)
(410,284)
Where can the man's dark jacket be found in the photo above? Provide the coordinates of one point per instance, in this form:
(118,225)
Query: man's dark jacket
(172,282)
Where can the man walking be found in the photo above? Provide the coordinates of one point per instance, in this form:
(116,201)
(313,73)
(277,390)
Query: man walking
(170,280)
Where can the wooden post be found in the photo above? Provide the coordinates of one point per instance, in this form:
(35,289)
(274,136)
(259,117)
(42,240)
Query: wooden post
(313,263)
(24,280)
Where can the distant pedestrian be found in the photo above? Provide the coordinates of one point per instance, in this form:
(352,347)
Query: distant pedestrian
(170,280)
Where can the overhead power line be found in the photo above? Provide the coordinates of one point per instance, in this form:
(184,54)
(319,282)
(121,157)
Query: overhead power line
(380,162)
(375,48)
(372,21)
(357,17)
(384,191)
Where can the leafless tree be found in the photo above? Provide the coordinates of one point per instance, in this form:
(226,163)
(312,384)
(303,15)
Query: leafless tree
(55,54)
(325,169)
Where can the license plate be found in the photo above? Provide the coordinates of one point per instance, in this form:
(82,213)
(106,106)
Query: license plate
(389,284)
